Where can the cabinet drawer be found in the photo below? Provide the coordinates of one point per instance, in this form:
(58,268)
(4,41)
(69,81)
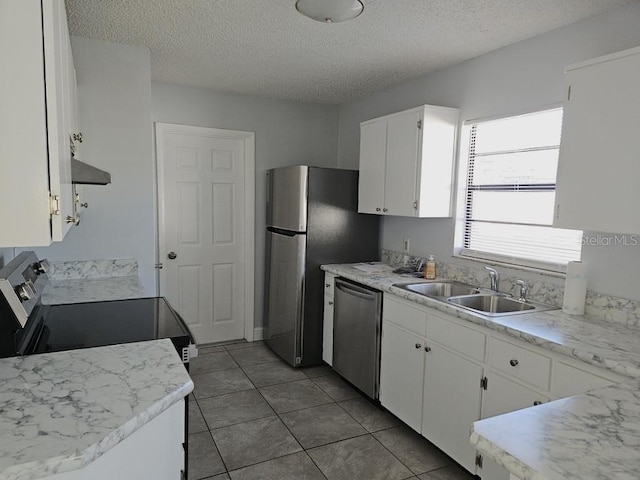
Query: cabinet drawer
(568,380)
(457,337)
(405,316)
(329,280)
(519,362)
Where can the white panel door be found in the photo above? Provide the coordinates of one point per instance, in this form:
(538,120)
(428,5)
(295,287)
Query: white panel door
(204,205)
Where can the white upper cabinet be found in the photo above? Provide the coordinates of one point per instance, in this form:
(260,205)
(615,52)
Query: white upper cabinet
(406,162)
(37,117)
(598,168)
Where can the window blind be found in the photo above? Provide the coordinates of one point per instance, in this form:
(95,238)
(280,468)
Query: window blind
(510,195)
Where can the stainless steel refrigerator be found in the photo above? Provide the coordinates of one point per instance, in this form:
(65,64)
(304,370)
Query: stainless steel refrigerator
(312,220)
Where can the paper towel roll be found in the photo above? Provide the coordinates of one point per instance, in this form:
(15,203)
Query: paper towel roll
(575,288)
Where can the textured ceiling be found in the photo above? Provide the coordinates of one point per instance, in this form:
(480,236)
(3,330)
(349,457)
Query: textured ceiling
(265,47)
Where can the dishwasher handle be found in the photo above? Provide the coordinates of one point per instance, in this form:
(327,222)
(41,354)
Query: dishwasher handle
(355,290)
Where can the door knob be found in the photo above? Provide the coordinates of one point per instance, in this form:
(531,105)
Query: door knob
(172,255)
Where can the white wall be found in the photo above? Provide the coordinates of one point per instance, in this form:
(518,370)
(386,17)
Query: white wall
(6,255)
(114,85)
(523,76)
(287,133)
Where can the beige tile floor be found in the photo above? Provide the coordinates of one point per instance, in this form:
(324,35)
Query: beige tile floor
(252,417)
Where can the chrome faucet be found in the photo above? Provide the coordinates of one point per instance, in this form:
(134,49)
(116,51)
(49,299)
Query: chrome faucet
(494,276)
(524,289)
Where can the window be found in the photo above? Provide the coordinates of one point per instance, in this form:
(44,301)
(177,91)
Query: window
(510,192)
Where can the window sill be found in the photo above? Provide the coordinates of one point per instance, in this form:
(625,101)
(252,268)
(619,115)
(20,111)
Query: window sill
(549,272)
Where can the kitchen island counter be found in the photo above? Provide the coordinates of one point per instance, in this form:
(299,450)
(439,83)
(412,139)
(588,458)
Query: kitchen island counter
(61,411)
(591,436)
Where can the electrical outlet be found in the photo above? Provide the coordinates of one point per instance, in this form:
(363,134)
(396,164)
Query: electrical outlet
(406,244)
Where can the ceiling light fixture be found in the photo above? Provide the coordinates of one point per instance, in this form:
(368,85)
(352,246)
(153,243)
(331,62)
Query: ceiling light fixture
(330,11)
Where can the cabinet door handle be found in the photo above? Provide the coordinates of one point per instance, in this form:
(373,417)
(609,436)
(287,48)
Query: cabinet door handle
(377,209)
(330,303)
(536,403)
(385,209)
(427,349)
(418,345)
(513,362)
(327,285)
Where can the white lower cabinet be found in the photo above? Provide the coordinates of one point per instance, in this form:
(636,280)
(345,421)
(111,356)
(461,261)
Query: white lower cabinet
(327,319)
(504,395)
(401,374)
(451,402)
(439,374)
(491,470)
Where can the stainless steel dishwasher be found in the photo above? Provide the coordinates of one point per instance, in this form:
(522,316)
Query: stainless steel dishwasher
(356,335)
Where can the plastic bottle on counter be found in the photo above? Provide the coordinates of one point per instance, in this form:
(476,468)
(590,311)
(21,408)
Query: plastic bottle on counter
(430,268)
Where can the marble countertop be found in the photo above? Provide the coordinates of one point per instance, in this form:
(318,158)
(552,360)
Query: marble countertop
(591,436)
(60,411)
(595,435)
(608,345)
(79,290)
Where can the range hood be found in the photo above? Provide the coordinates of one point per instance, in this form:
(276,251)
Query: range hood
(84,173)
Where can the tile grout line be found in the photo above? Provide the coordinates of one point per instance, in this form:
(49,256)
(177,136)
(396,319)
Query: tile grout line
(279,416)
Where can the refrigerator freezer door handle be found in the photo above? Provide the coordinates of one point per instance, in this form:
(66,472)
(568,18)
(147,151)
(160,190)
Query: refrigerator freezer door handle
(280,231)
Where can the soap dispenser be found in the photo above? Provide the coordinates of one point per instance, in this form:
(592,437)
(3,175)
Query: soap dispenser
(430,269)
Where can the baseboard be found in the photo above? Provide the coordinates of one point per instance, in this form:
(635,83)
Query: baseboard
(258,334)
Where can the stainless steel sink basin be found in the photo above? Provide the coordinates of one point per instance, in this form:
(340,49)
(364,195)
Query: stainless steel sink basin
(496,305)
(482,301)
(439,289)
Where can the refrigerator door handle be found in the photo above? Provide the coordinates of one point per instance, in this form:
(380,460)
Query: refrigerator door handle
(280,231)
(353,290)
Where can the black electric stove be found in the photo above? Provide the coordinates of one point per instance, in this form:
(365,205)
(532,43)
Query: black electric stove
(28,327)
(92,324)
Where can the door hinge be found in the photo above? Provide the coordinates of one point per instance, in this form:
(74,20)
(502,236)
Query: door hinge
(419,124)
(298,360)
(557,211)
(159,266)
(415,205)
(569,93)
(484,382)
(54,205)
(479,460)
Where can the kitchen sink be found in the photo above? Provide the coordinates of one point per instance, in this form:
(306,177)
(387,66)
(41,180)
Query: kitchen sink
(496,305)
(469,297)
(439,289)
